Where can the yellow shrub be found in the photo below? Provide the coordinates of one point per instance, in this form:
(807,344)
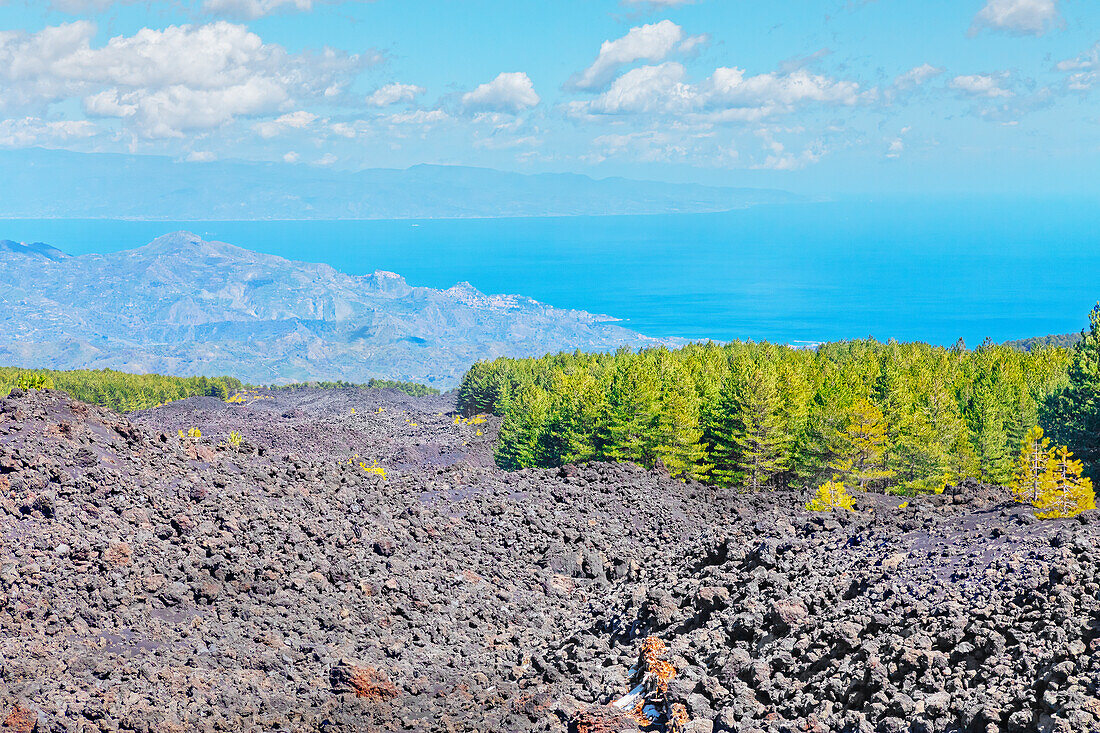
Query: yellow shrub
(1064,492)
(831,496)
(373,468)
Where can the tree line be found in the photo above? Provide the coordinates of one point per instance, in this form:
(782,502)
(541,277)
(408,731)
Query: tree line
(119,391)
(893,417)
(414,389)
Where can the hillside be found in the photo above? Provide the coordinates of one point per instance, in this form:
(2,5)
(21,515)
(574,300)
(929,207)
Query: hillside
(158,583)
(183,306)
(149,187)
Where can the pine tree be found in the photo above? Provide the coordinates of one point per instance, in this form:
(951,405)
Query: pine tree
(1033,479)
(679,435)
(862,457)
(1067,493)
(1072,414)
(989,435)
(574,416)
(523,430)
(747,438)
(627,426)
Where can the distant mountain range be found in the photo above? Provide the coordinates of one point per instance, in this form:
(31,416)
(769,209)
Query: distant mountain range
(38,184)
(184,306)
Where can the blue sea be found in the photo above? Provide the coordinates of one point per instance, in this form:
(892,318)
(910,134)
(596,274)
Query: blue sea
(932,269)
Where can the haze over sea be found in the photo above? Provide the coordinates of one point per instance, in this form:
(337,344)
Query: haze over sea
(931,269)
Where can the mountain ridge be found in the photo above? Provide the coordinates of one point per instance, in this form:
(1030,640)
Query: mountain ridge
(38,185)
(182,305)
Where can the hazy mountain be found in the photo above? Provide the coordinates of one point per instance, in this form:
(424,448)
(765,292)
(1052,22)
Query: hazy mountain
(180,305)
(35,249)
(37,183)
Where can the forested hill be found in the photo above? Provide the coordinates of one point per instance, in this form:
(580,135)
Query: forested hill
(1061,340)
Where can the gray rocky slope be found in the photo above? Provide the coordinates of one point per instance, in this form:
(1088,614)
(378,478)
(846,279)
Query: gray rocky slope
(183,306)
(153,583)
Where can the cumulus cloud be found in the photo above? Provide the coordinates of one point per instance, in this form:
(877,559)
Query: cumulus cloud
(201,156)
(292,121)
(33,131)
(731,86)
(1084,70)
(729,95)
(980,85)
(647,146)
(291,157)
(1026,17)
(647,89)
(421,117)
(509,92)
(779,159)
(917,76)
(394,93)
(652,42)
(165,82)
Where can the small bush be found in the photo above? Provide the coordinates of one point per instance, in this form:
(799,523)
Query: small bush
(192,434)
(831,496)
(34,380)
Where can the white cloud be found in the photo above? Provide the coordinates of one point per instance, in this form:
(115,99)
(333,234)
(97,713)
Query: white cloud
(647,89)
(164,82)
(253,9)
(652,42)
(980,85)
(201,156)
(730,86)
(419,117)
(917,76)
(343,129)
(509,92)
(648,146)
(32,131)
(292,157)
(727,96)
(1084,70)
(325,160)
(781,160)
(394,93)
(897,146)
(1029,17)
(291,121)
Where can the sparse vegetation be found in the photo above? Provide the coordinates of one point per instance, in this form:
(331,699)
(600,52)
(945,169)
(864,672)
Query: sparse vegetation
(415,389)
(192,434)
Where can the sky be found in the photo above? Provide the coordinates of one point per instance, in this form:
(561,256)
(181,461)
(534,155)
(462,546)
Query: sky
(813,96)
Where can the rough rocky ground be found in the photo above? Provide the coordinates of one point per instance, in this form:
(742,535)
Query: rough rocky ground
(153,583)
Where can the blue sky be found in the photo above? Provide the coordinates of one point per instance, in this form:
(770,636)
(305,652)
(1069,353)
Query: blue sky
(825,96)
